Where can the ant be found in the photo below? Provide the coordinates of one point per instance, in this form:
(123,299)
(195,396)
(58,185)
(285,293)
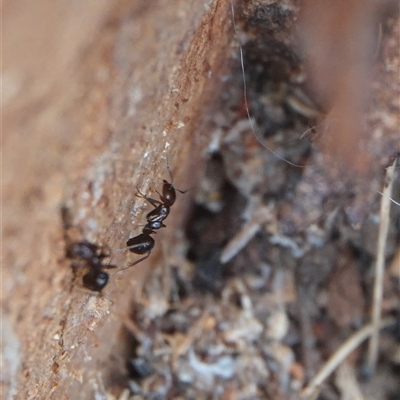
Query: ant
(144,243)
(96,278)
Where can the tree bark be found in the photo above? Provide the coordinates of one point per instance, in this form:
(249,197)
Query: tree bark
(96,96)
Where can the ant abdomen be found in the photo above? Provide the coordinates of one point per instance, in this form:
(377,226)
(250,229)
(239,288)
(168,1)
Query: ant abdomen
(95,280)
(140,244)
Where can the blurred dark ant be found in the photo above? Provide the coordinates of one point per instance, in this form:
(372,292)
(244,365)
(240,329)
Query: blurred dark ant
(96,278)
(144,243)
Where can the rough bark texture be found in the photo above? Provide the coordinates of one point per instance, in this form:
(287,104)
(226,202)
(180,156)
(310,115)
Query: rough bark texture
(96,95)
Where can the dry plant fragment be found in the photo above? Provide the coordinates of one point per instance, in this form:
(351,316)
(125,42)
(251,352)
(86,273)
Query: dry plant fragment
(346,382)
(380,266)
(312,390)
(246,233)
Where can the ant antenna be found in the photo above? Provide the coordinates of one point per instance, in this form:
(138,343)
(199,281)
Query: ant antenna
(172,178)
(169,169)
(245,96)
(133,264)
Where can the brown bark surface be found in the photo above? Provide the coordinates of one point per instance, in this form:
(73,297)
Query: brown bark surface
(96,95)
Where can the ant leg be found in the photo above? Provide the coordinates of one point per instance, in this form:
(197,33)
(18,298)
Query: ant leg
(140,260)
(109,266)
(103,255)
(180,191)
(153,202)
(134,263)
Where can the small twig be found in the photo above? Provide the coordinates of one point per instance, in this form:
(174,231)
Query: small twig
(380,267)
(346,382)
(193,334)
(312,390)
(246,233)
(134,330)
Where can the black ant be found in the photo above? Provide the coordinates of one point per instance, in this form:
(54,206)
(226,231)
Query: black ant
(144,243)
(96,278)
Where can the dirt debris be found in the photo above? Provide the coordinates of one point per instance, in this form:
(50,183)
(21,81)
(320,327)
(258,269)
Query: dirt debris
(257,322)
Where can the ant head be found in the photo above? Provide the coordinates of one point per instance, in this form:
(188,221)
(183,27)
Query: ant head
(168,194)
